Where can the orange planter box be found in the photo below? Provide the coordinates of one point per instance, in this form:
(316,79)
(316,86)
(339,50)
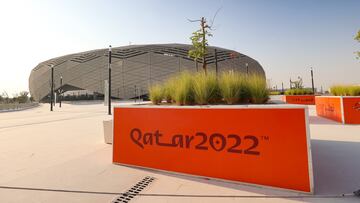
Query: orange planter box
(265,145)
(341,109)
(299,99)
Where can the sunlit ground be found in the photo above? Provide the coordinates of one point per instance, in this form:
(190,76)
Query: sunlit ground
(64,150)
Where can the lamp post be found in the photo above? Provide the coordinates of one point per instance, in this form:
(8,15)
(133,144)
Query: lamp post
(60,91)
(216,63)
(312,81)
(109,100)
(52,87)
(247,68)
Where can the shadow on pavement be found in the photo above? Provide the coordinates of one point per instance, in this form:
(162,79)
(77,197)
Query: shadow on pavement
(336,166)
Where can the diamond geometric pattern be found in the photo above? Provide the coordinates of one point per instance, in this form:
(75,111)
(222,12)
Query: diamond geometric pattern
(133,67)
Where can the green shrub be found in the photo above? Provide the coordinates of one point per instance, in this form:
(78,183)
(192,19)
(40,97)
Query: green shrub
(183,93)
(205,87)
(354,91)
(289,92)
(308,92)
(298,91)
(345,90)
(156,94)
(259,93)
(337,90)
(275,93)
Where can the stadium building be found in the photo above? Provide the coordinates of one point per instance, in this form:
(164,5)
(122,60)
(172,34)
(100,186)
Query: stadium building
(134,68)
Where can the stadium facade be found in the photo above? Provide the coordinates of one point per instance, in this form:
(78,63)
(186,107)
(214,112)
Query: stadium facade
(134,68)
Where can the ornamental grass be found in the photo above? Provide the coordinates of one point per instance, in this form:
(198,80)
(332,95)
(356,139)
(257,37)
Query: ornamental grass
(182,92)
(234,87)
(202,89)
(259,93)
(205,88)
(345,90)
(156,94)
(298,91)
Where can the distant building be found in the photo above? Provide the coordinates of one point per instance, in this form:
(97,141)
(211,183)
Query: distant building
(134,68)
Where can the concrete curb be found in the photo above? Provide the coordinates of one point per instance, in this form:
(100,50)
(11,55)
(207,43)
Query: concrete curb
(20,109)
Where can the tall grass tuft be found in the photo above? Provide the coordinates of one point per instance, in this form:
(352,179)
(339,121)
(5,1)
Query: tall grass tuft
(275,93)
(206,89)
(354,91)
(345,90)
(198,88)
(258,91)
(168,89)
(156,94)
(183,93)
(233,87)
(337,90)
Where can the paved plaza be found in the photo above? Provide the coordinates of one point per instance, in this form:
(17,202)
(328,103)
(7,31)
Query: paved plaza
(64,151)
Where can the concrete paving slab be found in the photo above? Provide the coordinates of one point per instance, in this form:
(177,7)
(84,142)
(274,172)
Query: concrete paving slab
(65,150)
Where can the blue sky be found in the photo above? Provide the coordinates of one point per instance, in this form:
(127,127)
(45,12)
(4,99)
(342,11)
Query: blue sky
(286,36)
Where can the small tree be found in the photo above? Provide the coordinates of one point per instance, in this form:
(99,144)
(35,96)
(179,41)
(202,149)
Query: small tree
(199,42)
(23,97)
(5,97)
(297,84)
(357,38)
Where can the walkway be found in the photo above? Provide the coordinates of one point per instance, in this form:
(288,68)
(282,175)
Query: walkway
(64,150)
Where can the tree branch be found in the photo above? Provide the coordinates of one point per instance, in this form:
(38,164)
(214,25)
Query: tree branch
(214,17)
(193,20)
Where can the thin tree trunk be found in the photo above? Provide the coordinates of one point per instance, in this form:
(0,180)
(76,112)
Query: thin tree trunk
(203,43)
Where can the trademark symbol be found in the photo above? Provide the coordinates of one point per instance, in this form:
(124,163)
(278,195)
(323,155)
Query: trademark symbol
(265,138)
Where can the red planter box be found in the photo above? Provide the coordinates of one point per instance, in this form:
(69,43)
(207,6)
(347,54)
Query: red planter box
(265,145)
(341,109)
(299,99)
